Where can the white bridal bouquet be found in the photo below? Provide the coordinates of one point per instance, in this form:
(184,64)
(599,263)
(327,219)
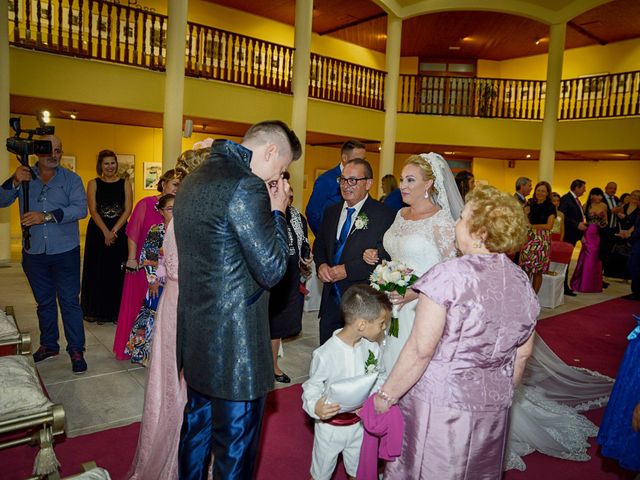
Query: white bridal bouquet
(393,277)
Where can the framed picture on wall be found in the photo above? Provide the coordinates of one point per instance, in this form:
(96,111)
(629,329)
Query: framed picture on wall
(46,13)
(68,162)
(99,25)
(127,167)
(127,32)
(151,174)
(13,5)
(75,20)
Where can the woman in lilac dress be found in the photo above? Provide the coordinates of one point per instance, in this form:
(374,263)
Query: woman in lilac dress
(145,214)
(469,344)
(587,277)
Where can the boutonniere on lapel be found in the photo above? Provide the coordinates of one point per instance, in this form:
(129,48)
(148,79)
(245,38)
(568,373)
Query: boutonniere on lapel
(362,221)
(371,365)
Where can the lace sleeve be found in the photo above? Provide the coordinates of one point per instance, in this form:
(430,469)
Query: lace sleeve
(445,237)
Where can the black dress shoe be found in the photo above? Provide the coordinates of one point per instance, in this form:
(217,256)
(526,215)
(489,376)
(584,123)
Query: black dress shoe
(605,284)
(284,378)
(632,297)
(570,293)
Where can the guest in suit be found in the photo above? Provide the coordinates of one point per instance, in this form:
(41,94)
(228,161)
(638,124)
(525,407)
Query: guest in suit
(326,190)
(523,189)
(348,229)
(608,234)
(231,235)
(574,220)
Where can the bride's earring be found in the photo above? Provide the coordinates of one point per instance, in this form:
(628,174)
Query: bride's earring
(477,244)
(426,194)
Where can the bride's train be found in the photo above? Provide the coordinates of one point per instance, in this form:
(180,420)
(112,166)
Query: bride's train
(545,412)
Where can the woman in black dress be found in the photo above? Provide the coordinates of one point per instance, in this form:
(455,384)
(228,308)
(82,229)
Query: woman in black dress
(287,300)
(109,199)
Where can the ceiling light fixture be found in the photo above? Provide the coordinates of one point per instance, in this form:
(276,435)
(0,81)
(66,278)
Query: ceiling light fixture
(449,153)
(453,47)
(467,39)
(528,155)
(43,117)
(73,114)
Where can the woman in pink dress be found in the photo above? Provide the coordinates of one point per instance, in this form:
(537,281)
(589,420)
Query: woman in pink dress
(165,393)
(135,285)
(587,277)
(470,340)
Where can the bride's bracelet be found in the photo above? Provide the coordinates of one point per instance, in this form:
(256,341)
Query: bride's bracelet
(384,396)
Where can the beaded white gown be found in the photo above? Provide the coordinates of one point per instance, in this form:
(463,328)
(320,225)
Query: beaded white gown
(419,244)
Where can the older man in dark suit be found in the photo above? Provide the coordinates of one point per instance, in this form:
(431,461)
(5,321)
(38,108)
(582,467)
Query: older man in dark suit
(348,229)
(232,241)
(574,220)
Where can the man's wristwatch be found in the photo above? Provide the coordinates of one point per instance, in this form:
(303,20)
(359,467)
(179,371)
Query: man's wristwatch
(48,217)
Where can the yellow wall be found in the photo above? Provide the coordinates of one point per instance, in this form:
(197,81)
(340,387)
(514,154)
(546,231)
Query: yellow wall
(612,58)
(597,174)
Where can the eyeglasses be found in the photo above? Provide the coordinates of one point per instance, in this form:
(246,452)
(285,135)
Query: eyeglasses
(352,182)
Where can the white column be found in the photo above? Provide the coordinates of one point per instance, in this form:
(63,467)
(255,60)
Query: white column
(174,83)
(546,165)
(392,62)
(5,113)
(300,88)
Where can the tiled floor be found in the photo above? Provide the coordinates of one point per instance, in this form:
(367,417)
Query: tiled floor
(111,392)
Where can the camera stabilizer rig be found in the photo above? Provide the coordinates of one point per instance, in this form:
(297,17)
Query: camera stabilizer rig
(23,147)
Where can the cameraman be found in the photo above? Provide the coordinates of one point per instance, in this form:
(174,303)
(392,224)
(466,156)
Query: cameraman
(57,201)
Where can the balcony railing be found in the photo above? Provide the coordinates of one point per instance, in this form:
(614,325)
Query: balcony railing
(111,32)
(343,82)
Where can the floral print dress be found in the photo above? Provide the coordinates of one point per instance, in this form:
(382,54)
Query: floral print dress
(151,259)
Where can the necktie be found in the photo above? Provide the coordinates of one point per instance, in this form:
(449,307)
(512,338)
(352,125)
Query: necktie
(344,233)
(613,219)
(584,219)
(340,243)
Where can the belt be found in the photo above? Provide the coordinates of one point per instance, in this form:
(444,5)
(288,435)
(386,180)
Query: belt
(343,419)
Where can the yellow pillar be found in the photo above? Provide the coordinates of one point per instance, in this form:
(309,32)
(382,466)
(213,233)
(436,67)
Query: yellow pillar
(557,35)
(5,113)
(392,65)
(174,83)
(300,88)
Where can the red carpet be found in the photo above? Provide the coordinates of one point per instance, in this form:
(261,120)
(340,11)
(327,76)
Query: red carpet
(592,337)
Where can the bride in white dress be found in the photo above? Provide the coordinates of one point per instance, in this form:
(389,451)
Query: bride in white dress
(545,411)
(421,236)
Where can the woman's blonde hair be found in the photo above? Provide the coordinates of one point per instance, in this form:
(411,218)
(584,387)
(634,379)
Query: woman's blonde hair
(425,167)
(498,217)
(189,160)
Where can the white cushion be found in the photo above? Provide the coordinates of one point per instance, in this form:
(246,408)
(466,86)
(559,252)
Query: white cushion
(351,393)
(20,392)
(8,329)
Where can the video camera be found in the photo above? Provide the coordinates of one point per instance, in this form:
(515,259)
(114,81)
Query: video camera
(25,146)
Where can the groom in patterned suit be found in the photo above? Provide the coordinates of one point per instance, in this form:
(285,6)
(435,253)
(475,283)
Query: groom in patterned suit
(348,229)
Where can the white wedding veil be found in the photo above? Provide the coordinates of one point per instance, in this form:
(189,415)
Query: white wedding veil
(448,196)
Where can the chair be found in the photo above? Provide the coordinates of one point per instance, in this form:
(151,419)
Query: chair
(26,414)
(551,294)
(12,340)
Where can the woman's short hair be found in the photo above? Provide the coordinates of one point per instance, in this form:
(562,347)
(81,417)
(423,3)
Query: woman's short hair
(498,217)
(425,168)
(101,156)
(363,302)
(173,174)
(555,195)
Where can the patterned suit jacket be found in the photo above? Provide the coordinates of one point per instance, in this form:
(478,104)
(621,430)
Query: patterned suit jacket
(231,249)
